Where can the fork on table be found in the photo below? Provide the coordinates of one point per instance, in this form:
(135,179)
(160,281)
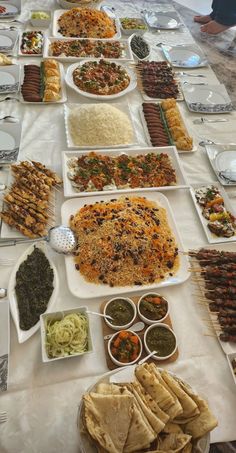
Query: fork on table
(3,417)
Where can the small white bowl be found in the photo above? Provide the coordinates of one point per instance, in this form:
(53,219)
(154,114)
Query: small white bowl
(150,321)
(58,315)
(116,362)
(125,326)
(40,22)
(131,31)
(156,326)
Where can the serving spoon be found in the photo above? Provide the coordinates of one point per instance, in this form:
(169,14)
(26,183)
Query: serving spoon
(147,357)
(137,327)
(100,314)
(60,238)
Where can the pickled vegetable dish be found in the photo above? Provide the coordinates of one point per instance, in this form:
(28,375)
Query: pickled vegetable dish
(153,307)
(125,347)
(121,311)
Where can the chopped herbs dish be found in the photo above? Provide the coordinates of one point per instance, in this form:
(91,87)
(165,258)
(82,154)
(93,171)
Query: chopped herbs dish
(34,287)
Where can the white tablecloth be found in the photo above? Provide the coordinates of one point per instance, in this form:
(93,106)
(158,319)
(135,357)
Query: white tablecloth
(42,399)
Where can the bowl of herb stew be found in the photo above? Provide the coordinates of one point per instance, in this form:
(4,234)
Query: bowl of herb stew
(160,338)
(125,348)
(122,310)
(153,308)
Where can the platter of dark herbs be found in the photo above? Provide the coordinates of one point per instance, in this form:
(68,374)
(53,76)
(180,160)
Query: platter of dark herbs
(32,289)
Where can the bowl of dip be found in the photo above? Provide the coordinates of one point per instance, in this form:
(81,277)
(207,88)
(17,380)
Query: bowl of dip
(130,25)
(160,338)
(125,348)
(122,310)
(153,308)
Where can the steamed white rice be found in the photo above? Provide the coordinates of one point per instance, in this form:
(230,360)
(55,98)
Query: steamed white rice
(99,125)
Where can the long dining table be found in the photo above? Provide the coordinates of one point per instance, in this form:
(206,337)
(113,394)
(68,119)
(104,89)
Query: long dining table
(42,398)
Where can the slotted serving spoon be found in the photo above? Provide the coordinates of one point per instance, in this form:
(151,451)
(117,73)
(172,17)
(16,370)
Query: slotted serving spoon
(60,238)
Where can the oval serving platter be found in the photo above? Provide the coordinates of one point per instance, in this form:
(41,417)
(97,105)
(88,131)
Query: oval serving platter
(24,335)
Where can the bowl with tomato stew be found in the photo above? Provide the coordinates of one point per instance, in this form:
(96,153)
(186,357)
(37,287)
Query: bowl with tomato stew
(153,308)
(122,310)
(125,348)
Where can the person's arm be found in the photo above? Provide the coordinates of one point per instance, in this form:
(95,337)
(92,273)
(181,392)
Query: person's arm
(226,12)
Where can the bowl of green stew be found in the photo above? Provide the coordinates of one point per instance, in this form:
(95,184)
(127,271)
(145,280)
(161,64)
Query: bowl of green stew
(153,308)
(122,310)
(162,339)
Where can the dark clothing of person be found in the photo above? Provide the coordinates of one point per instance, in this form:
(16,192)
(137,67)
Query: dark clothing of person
(224,12)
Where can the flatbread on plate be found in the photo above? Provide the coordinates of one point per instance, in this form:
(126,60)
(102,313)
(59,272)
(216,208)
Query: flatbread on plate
(173,442)
(103,419)
(149,401)
(140,434)
(150,382)
(176,409)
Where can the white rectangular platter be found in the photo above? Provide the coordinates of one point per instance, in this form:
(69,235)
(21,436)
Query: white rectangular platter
(228,347)
(126,53)
(207,99)
(55,28)
(211,237)
(124,107)
(79,287)
(70,191)
(147,136)
(63,89)
(32,55)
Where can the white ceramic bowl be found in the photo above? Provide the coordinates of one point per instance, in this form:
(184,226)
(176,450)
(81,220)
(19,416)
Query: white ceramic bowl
(150,321)
(116,362)
(125,326)
(40,22)
(156,326)
(58,315)
(131,31)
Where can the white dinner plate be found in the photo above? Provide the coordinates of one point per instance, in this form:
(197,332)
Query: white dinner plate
(122,376)
(10,135)
(124,107)
(11,10)
(55,28)
(24,335)
(189,56)
(70,82)
(223,161)
(162,20)
(211,237)
(207,98)
(4,343)
(126,52)
(70,191)
(79,287)
(8,40)
(9,79)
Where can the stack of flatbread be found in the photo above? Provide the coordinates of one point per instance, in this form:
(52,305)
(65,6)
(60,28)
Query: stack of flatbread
(156,413)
